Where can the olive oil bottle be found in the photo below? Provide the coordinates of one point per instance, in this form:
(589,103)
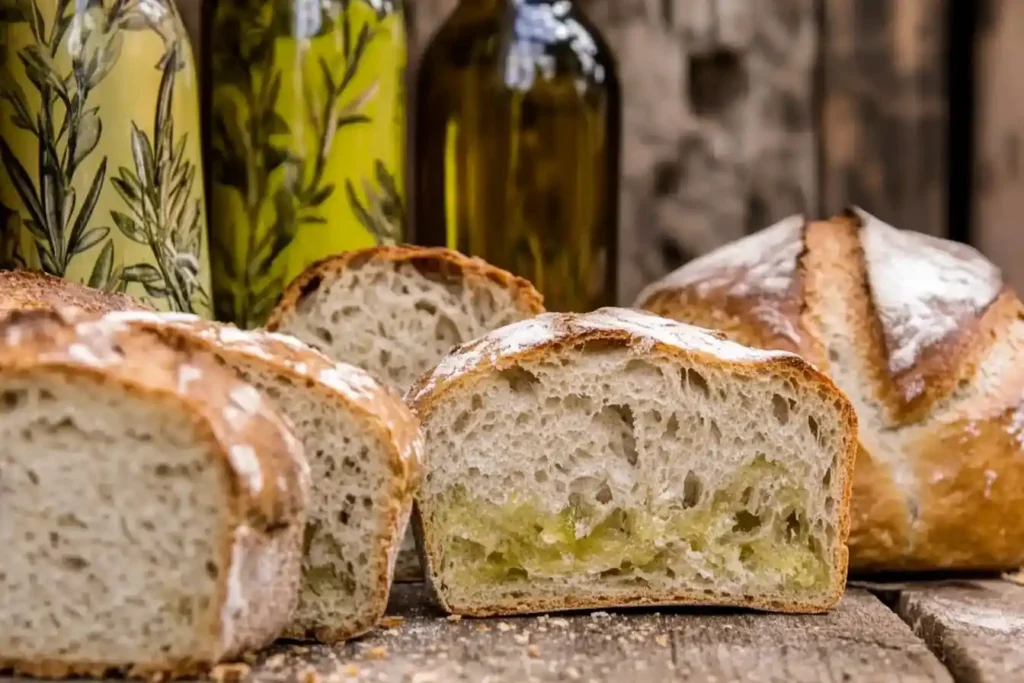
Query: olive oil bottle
(101,179)
(517,135)
(306,139)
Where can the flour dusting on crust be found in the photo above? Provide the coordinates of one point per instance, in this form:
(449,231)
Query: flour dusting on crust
(643,330)
(759,265)
(923,287)
(281,351)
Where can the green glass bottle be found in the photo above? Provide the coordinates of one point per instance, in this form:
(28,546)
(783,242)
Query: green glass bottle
(101,178)
(517,136)
(306,139)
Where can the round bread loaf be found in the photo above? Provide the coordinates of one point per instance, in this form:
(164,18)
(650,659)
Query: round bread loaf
(927,341)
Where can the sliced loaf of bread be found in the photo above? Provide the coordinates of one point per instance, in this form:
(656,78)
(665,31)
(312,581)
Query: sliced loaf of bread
(618,458)
(152,504)
(363,446)
(395,311)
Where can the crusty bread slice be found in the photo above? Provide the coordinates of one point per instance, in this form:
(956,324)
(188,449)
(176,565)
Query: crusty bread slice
(363,446)
(618,458)
(152,505)
(27,289)
(396,311)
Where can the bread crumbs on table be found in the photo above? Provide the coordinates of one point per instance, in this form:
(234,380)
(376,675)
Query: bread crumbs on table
(533,651)
(379,652)
(309,676)
(392,622)
(351,670)
(424,677)
(275,661)
(521,638)
(483,628)
(504,626)
(661,640)
(229,673)
(454,618)
(573,674)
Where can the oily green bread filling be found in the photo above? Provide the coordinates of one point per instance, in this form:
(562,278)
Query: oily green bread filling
(713,538)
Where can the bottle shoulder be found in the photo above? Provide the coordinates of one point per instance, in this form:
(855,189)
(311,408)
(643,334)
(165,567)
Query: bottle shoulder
(556,40)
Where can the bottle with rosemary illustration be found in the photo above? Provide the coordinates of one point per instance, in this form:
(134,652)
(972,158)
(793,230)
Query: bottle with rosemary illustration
(306,138)
(516,153)
(100,154)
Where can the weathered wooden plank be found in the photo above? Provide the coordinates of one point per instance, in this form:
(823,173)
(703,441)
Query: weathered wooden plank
(975,627)
(861,640)
(885,116)
(999,138)
(719,120)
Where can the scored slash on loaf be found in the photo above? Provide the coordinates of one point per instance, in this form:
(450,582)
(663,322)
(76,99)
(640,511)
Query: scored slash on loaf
(619,458)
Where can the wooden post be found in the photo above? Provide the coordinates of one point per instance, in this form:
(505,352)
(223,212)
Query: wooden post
(884,113)
(998,207)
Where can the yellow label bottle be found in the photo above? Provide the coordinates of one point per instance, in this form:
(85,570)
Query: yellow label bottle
(101,178)
(518,125)
(307,126)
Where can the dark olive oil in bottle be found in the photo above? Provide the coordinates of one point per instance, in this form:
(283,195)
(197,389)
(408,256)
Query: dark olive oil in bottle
(517,136)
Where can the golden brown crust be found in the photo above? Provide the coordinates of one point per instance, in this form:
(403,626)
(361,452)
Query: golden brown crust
(263,465)
(383,410)
(432,261)
(28,289)
(541,336)
(919,498)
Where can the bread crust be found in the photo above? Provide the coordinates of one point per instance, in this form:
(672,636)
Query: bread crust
(544,335)
(262,464)
(440,261)
(380,410)
(28,289)
(922,496)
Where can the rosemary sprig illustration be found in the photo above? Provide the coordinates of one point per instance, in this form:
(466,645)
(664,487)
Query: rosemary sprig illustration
(247,149)
(383,215)
(163,213)
(66,129)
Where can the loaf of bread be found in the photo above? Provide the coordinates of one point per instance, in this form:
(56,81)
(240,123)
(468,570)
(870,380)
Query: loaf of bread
(27,289)
(618,458)
(395,311)
(364,448)
(361,441)
(152,504)
(927,341)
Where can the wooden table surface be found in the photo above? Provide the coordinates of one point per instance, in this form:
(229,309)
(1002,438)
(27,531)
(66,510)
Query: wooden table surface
(967,631)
